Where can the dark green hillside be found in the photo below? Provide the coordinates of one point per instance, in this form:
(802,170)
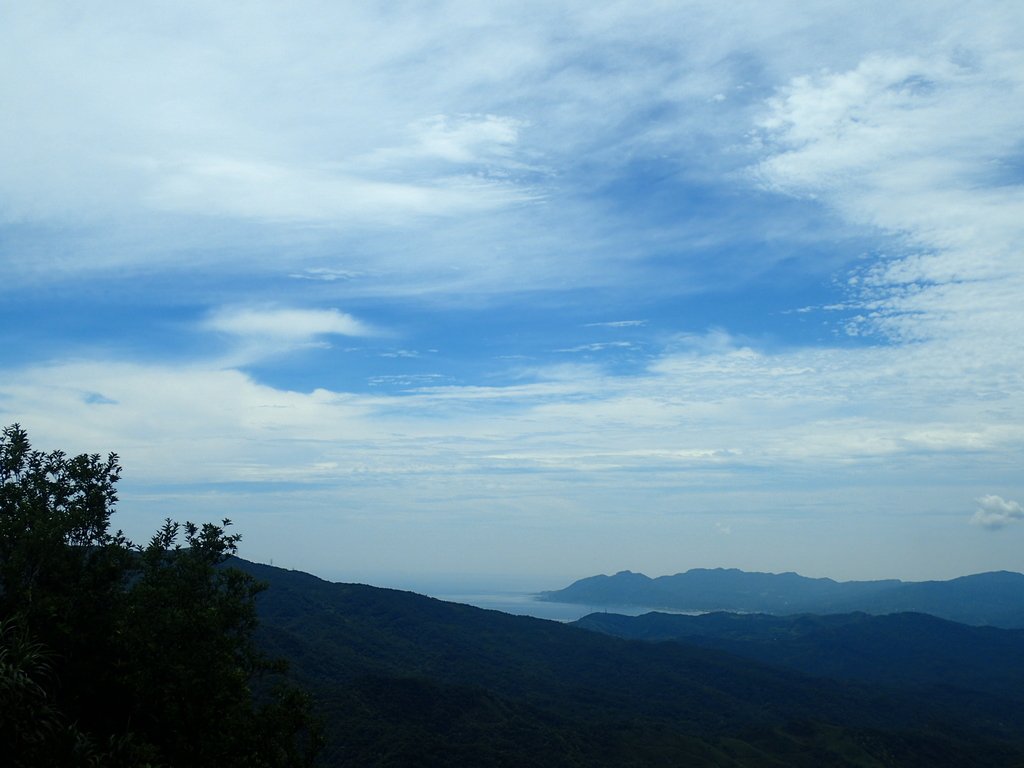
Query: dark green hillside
(408,680)
(902,648)
(995,599)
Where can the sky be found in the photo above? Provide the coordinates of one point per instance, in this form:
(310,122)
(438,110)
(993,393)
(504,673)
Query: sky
(525,292)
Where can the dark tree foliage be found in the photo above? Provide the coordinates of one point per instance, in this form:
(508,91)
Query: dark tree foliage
(112,654)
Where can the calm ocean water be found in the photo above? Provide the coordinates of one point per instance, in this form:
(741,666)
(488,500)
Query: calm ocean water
(525,604)
(508,593)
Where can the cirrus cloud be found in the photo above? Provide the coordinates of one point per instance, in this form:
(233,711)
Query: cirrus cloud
(286,324)
(259,333)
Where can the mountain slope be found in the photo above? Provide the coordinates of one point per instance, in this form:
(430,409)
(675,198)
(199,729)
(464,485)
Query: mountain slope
(408,680)
(901,648)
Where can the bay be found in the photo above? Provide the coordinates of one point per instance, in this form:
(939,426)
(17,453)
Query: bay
(526,604)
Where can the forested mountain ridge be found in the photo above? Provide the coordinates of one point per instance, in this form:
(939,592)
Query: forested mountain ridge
(404,679)
(896,649)
(994,599)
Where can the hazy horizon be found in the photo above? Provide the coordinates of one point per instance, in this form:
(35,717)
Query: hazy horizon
(455,582)
(528,291)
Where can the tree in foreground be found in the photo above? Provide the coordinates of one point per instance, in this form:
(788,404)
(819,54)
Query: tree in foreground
(112,654)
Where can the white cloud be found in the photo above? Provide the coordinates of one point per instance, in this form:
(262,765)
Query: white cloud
(351,121)
(598,346)
(256,189)
(910,146)
(698,415)
(408,354)
(916,147)
(996,512)
(618,324)
(149,114)
(484,140)
(727,428)
(285,324)
(261,333)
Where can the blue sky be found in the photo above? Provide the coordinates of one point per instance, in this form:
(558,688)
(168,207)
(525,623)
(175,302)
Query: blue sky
(528,290)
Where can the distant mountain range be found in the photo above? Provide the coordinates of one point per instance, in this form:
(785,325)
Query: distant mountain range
(406,680)
(994,599)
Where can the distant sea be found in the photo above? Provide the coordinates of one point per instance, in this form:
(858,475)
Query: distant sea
(526,604)
(508,593)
